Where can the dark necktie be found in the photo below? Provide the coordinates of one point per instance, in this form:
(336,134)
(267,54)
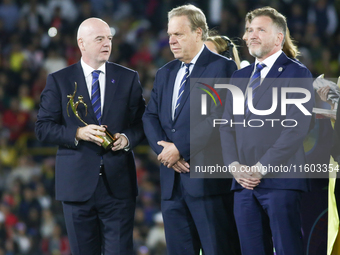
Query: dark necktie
(182,87)
(95,95)
(255,82)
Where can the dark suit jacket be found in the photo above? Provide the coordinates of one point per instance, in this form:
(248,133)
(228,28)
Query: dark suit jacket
(269,145)
(77,167)
(190,131)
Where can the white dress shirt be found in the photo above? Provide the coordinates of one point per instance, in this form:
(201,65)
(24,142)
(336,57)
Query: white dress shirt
(88,78)
(179,77)
(269,62)
(87,70)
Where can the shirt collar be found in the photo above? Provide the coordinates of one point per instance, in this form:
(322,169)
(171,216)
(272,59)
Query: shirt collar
(269,62)
(88,69)
(193,61)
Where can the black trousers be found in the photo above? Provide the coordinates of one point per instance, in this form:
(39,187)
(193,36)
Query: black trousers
(101,225)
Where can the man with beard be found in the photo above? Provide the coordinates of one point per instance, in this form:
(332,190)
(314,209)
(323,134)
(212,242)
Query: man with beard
(267,210)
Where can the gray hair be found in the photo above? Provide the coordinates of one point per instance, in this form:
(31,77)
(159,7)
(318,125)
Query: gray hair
(195,15)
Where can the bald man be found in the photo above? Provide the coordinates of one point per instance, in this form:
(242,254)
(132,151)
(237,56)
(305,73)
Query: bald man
(97,186)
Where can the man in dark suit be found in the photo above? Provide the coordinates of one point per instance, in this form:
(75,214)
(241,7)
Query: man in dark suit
(97,186)
(268,209)
(195,210)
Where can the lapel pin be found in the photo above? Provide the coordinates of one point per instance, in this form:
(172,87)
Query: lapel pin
(112,81)
(280,69)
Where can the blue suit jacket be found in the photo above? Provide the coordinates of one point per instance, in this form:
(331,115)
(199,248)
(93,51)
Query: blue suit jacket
(158,123)
(269,145)
(77,167)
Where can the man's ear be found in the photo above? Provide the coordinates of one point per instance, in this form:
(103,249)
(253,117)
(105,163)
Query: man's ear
(81,44)
(199,33)
(279,39)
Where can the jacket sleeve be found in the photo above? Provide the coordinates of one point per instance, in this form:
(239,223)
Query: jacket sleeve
(50,126)
(134,131)
(152,125)
(227,133)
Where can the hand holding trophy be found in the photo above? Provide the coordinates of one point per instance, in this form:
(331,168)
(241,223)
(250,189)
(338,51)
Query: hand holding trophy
(108,139)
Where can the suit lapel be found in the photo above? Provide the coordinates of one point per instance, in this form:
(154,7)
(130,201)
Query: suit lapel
(273,73)
(242,83)
(79,78)
(169,88)
(196,72)
(111,83)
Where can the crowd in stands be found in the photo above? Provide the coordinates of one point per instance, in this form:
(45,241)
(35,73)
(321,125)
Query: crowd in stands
(38,37)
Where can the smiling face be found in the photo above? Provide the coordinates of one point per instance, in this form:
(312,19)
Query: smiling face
(184,43)
(94,41)
(263,38)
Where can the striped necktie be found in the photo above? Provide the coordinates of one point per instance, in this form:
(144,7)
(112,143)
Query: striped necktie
(182,87)
(95,95)
(255,82)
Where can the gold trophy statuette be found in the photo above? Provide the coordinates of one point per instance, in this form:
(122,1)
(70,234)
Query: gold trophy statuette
(109,139)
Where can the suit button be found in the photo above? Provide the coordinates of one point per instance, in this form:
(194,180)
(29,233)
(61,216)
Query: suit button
(173,130)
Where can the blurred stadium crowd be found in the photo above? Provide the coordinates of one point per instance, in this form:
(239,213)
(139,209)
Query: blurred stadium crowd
(38,37)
